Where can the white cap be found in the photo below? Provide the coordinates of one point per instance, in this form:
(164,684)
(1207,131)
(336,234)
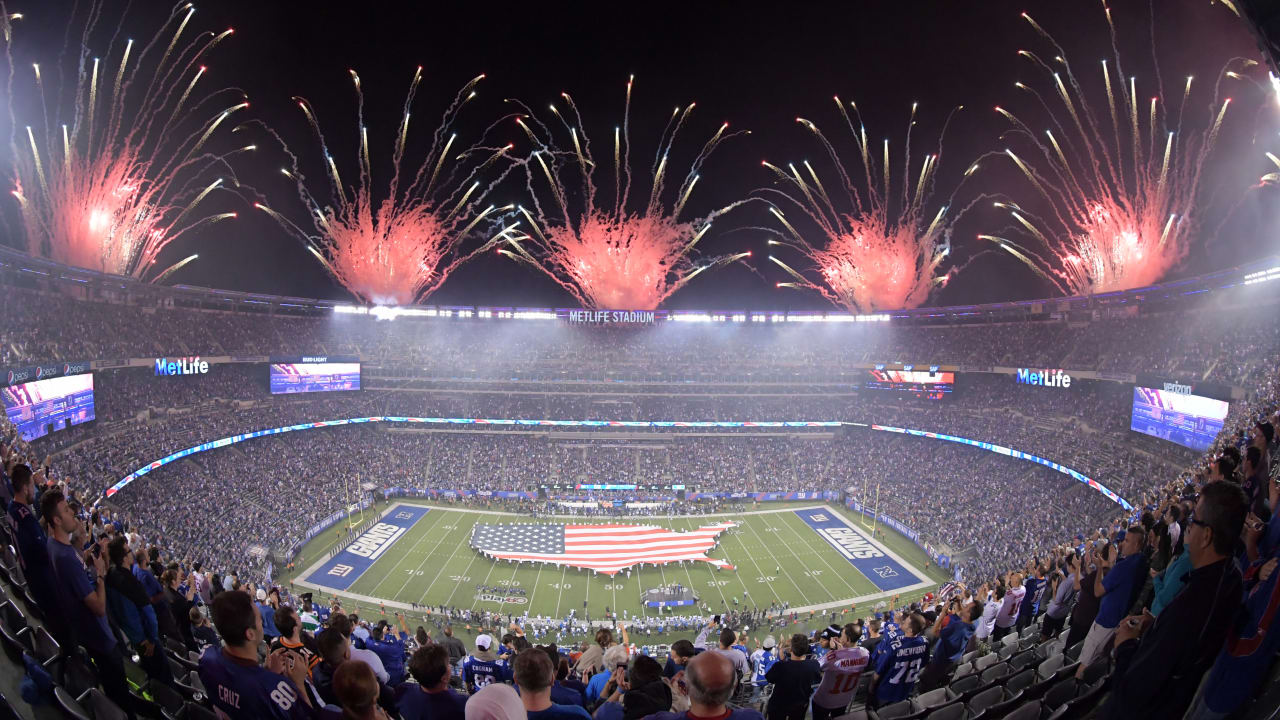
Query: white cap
(484,642)
(770,643)
(262,595)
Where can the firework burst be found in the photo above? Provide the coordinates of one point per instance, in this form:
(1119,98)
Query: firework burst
(399,250)
(882,244)
(1120,183)
(123,176)
(610,255)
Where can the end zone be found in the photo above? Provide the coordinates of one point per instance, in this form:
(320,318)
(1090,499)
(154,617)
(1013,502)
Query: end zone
(877,563)
(343,569)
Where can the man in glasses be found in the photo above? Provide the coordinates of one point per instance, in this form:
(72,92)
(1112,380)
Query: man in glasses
(1159,662)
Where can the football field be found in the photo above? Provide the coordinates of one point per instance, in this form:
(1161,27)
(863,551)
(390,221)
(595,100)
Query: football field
(811,557)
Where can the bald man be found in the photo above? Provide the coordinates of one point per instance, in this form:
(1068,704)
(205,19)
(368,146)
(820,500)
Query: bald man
(708,680)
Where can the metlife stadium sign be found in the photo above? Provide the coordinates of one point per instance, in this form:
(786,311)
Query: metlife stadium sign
(1043,378)
(182,366)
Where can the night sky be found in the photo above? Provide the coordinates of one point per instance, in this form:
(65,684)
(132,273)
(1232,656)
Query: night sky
(758,66)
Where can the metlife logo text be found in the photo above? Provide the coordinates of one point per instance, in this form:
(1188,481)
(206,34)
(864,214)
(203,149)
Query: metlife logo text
(1043,378)
(182,366)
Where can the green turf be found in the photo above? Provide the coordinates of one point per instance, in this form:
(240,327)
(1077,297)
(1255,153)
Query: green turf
(778,558)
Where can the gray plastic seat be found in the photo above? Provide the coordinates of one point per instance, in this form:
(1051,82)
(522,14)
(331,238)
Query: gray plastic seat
(985,699)
(932,699)
(896,710)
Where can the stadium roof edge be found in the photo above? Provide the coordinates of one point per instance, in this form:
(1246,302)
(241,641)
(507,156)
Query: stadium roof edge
(12,261)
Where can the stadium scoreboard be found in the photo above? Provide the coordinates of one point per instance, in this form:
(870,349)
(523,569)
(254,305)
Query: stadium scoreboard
(314,373)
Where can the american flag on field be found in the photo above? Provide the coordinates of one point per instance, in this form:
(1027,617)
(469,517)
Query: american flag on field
(606,549)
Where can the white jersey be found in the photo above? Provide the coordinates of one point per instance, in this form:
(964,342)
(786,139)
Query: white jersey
(841,670)
(1009,609)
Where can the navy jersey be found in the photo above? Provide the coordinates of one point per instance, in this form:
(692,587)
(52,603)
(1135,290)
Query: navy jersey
(898,666)
(242,689)
(478,673)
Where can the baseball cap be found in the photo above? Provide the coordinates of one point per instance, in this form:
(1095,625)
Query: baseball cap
(262,595)
(484,642)
(770,643)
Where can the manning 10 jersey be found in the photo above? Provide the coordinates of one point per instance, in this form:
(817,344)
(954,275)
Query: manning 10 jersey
(841,670)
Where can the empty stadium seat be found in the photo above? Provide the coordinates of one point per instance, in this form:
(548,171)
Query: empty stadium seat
(1020,681)
(931,699)
(1026,658)
(985,699)
(1050,665)
(1026,711)
(950,711)
(1061,693)
(896,710)
(67,704)
(101,706)
(960,686)
(996,672)
(985,661)
(46,648)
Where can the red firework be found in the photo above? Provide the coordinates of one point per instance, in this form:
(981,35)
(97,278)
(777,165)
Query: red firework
(1122,189)
(612,257)
(400,249)
(121,181)
(881,248)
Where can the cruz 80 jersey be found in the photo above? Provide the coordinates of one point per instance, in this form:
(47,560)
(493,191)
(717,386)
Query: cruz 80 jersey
(242,689)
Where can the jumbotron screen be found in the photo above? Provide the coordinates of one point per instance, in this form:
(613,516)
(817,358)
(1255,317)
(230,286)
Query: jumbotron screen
(314,377)
(1189,420)
(933,386)
(43,406)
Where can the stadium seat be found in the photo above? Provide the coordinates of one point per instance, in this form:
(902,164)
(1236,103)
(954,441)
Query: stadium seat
(1024,659)
(14,647)
(1030,631)
(73,672)
(931,699)
(46,648)
(960,686)
(968,657)
(950,711)
(1096,672)
(1009,640)
(1062,692)
(68,705)
(1073,652)
(985,661)
(1050,665)
(193,679)
(192,711)
(996,672)
(1002,708)
(896,710)
(1020,681)
(963,670)
(101,706)
(983,700)
(1026,711)
(165,697)
(33,608)
(1007,651)
(13,618)
(1052,647)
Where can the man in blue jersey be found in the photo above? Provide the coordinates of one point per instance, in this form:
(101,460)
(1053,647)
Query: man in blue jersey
(431,698)
(33,548)
(237,686)
(389,647)
(900,663)
(1030,606)
(761,660)
(1115,583)
(483,667)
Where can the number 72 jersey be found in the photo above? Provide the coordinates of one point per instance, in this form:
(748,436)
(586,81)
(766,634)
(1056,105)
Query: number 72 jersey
(898,667)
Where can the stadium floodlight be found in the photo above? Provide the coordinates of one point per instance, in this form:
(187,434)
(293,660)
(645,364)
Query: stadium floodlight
(1261,276)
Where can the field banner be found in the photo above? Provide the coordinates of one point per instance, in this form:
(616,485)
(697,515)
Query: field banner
(861,552)
(344,568)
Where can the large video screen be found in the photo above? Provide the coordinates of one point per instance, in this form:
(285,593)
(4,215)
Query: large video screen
(1189,420)
(314,377)
(933,386)
(44,406)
